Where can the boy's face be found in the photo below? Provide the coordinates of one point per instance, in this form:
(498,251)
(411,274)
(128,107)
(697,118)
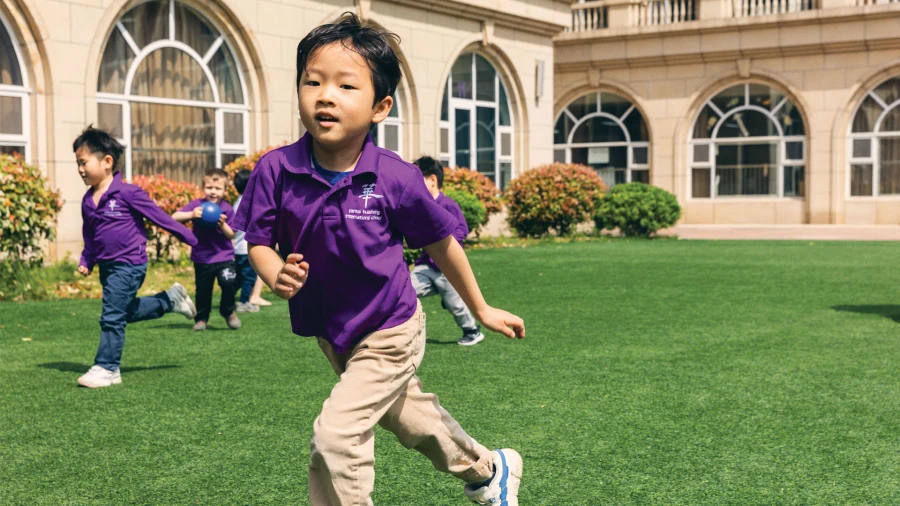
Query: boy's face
(432,183)
(336,96)
(214,189)
(93,168)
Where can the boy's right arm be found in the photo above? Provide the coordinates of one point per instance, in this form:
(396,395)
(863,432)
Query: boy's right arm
(88,257)
(284,278)
(186,216)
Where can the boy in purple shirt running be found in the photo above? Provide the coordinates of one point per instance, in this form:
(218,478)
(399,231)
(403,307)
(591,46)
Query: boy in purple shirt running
(113,213)
(213,256)
(338,208)
(426,277)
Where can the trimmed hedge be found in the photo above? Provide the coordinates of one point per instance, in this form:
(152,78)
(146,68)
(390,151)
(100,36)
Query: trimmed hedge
(637,210)
(472,208)
(552,197)
(170,195)
(477,184)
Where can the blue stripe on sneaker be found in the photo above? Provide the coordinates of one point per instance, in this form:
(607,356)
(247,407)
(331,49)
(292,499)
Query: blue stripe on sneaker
(503,490)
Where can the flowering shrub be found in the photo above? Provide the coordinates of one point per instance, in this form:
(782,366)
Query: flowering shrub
(637,209)
(552,197)
(243,163)
(472,208)
(28,209)
(477,184)
(171,196)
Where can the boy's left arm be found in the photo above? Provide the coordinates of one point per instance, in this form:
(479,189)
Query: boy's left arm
(451,260)
(142,203)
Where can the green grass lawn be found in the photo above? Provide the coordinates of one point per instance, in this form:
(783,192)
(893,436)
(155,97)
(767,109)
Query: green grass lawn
(654,372)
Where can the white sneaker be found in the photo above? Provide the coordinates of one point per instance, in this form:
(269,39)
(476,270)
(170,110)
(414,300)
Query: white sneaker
(503,487)
(181,301)
(98,377)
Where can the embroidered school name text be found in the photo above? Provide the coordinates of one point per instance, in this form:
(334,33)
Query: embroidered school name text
(364,214)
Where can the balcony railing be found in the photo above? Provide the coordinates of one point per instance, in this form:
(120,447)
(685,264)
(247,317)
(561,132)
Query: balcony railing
(748,8)
(601,14)
(589,16)
(664,12)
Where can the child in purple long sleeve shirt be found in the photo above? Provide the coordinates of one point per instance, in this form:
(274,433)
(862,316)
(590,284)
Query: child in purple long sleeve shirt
(113,213)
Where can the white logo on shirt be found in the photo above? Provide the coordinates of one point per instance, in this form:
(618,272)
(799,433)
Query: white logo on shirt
(369,193)
(112,205)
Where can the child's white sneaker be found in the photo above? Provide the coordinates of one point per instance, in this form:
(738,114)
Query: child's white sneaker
(181,301)
(503,488)
(98,377)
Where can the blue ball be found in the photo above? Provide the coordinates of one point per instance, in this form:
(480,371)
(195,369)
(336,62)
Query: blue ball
(211,213)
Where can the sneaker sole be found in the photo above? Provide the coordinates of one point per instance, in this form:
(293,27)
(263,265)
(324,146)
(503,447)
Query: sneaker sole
(115,381)
(513,465)
(472,342)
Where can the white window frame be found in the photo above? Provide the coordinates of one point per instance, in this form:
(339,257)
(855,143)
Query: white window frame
(396,121)
(619,121)
(873,137)
(713,141)
(471,105)
(125,99)
(23,93)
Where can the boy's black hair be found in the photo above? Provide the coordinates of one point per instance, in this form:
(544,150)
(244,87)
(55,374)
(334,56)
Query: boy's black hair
(429,166)
(368,41)
(241,179)
(100,143)
(216,174)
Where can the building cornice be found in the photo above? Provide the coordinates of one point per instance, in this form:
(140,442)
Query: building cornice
(827,19)
(479,13)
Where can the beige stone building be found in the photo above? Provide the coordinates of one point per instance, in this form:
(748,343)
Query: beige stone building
(190,84)
(750,111)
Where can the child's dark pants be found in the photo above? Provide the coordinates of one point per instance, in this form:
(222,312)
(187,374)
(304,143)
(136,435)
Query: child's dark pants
(121,283)
(205,275)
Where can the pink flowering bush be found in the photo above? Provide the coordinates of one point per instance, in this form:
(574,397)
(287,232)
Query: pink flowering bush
(28,210)
(552,197)
(171,196)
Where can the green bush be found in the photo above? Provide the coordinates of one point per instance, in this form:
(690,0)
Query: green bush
(411,255)
(472,208)
(553,197)
(28,209)
(637,210)
(477,184)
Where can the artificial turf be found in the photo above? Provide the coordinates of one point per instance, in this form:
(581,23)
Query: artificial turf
(654,372)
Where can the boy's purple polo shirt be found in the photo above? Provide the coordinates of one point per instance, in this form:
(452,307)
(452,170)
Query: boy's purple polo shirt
(114,228)
(212,245)
(460,232)
(350,233)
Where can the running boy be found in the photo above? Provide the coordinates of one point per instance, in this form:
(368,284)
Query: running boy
(246,275)
(213,256)
(113,215)
(338,207)
(426,277)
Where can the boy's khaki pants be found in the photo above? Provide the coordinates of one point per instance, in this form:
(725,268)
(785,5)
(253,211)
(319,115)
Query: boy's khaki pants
(378,384)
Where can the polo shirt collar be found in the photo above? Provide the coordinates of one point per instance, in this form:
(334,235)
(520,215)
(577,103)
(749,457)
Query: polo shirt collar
(299,158)
(114,186)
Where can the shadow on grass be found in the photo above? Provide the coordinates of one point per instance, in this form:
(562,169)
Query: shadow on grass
(432,341)
(886,310)
(81,368)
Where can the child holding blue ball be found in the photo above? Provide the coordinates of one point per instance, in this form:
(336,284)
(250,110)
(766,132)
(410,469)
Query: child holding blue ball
(213,256)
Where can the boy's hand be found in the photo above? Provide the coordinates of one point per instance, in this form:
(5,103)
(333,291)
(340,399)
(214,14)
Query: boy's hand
(83,270)
(197,213)
(291,277)
(221,220)
(503,322)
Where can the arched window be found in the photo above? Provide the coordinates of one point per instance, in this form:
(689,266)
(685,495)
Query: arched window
(13,95)
(389,133)
(875,143)
(170,89)
(476,126)
(748,140)
(607,132)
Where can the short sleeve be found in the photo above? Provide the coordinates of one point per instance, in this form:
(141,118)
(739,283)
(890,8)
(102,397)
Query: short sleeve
(419,218)
(257,216)
(190,206)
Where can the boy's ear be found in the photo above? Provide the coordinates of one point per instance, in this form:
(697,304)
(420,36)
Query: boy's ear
(108,162)
(382,109)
